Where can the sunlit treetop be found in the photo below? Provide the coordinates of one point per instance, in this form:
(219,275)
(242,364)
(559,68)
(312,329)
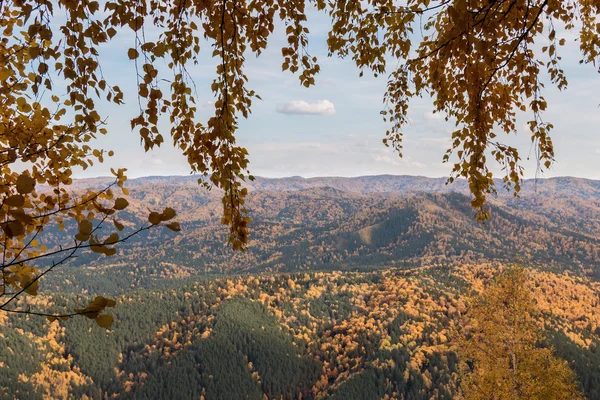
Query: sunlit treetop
(504,345)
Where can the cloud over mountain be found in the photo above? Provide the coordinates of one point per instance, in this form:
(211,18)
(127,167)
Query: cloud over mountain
(321,107)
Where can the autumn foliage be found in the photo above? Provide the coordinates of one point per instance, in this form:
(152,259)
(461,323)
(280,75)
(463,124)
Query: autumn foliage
(502,341)
(478,60)
(45,134)
(386,334)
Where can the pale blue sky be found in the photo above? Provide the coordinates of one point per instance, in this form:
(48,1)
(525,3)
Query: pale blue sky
(337,128)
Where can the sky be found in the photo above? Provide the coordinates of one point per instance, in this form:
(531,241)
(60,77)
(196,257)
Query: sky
(334,128)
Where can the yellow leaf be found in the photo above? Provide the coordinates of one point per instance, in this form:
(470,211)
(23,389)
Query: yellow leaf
(23,106)
(25,184)
(85,227)
(97,248)
(51,319)
(82,238)
(104,321)
(118,225)
(174,226)
(90,314)
(168,214)
(97,304)
(121,204)
(32,288)
(154,218)
(20,216)
(7,230)
(110,303)
(112,239)
(16,228)
(137,23)
(16,200)
(132,54)
(5,73)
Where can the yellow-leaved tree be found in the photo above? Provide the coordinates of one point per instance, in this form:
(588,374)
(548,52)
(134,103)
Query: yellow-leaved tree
(502,345)
(481,61)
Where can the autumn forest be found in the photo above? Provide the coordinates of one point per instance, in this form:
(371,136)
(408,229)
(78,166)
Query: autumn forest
(354,288)
(200,280)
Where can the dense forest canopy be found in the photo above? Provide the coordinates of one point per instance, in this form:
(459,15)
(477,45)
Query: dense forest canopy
(385,334)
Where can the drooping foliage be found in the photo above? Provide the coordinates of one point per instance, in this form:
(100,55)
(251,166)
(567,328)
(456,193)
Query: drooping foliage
(481,61)
(44,136)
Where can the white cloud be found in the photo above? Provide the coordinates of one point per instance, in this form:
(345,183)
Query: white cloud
(321,107)
(431,146)
(399,162)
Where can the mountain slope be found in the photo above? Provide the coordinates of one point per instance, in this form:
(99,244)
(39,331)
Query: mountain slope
(314,335)
(324,227)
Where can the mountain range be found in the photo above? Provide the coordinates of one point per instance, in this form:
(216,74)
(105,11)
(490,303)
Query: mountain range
(351,288)
(366,222)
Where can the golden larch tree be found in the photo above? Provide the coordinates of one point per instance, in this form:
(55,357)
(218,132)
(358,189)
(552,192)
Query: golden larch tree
(502,345)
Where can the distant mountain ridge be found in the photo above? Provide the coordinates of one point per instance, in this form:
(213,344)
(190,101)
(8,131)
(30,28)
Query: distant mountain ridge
(303,224)
(367,183)
(573,202)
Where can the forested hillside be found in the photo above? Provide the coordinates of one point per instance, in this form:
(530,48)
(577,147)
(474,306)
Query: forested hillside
(352,223)
(352,336)
(354,290)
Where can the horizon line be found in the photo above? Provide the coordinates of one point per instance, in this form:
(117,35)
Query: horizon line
(332,176)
